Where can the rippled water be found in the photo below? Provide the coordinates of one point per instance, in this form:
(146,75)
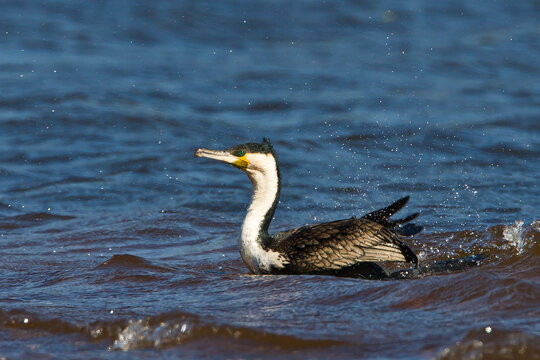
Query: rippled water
(117,243)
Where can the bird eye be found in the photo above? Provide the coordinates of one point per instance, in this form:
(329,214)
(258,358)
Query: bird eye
(240,153)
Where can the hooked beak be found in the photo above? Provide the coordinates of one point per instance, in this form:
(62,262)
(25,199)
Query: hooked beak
(224,156)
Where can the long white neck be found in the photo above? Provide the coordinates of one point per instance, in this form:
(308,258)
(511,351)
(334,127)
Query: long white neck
(264,176)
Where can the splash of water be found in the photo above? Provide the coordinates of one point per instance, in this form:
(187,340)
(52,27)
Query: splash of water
(140,333)
(514,235)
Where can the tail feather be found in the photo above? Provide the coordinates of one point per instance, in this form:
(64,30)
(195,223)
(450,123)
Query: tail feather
(382,216)
(405,219)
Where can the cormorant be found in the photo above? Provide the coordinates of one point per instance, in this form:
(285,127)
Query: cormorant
(349,247)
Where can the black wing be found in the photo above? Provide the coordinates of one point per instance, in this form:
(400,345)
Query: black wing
(338,244)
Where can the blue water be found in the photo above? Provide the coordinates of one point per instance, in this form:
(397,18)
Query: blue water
(113,237)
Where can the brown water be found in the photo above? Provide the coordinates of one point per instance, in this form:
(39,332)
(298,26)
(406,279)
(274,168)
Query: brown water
(117,243)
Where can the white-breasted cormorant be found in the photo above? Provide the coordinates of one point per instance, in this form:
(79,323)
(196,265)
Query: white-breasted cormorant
(349,247)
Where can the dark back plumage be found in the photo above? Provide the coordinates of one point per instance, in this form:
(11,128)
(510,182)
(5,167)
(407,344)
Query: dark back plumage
(339,244)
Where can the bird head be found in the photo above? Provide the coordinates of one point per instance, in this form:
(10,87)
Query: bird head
(251,158)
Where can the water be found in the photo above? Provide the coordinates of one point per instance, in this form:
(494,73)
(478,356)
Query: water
(117,243)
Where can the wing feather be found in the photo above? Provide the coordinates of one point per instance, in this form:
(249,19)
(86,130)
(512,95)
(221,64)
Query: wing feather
(338,244)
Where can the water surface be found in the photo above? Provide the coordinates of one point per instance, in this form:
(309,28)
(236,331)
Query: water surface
(117,243)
